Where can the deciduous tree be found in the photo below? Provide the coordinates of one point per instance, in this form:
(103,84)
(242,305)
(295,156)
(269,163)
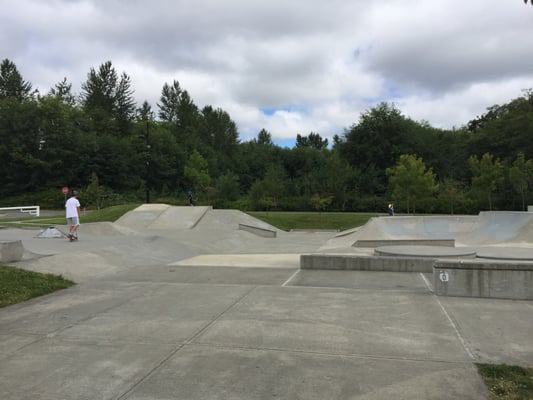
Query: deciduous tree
(410,181)
(378,139)
(197,173)
(521,177)
(487,174)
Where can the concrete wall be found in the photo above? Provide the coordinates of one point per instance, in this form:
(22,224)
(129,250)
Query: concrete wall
(11,251)
(366,263)
(257,231)
(509,280)
(404,242)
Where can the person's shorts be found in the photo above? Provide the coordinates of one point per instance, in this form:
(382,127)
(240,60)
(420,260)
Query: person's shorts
(73,221)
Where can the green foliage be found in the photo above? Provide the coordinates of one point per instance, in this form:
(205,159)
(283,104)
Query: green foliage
(487,175)
(501,131)
(521,177)
(410,182)
(170,102)
(313,140)
(65,139)
(97,196)
(51,199)
(451,193)
(17,285)
(265,193)
(227,187)
(109,100)
(320,203)
(264,138)
(378,141)
(197,173)
(507,382)
(11,83)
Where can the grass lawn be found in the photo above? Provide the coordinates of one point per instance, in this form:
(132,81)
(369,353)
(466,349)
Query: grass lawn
(507,382)
(313,220)
(105,214)
(17,285)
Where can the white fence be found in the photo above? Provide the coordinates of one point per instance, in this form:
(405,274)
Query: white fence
(32,210)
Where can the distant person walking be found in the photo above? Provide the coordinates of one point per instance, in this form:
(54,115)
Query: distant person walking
(72,207)
(390,209)
(189,195)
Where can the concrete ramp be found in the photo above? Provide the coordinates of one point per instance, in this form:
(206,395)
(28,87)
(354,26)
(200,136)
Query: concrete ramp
(179,218)
(416,227)
(501,226)
(162,217)
(142,216)
(231,219)
(406,229)
(488,228)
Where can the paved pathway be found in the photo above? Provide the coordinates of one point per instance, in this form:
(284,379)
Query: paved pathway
(155,316)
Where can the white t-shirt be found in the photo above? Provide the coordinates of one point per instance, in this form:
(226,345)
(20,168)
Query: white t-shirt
(72,205)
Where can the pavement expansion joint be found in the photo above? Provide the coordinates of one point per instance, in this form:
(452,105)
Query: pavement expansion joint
(329,354)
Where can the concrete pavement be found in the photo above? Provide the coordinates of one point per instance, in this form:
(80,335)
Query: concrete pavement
(203,310)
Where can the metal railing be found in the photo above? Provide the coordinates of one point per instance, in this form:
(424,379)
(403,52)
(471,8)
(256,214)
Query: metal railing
(32,210)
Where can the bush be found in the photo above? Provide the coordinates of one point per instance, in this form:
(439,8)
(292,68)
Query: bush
(52,199)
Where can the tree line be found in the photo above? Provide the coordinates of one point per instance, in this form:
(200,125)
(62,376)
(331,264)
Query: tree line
(112,150)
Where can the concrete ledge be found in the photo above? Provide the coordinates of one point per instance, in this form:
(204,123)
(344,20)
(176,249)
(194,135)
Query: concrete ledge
(11,251)
(433,252)
(258,231)
(473,278)
(404,242)
(366,263)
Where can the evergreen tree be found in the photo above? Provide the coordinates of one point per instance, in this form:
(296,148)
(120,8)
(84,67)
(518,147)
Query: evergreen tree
(12,84)
(313,140)
(169,102)
(264,138)
(109,100)
(145,113)
(63,92)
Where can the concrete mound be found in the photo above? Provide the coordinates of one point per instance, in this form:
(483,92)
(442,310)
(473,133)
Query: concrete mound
(162,217)
(142,216)
(105,229)
(50,233)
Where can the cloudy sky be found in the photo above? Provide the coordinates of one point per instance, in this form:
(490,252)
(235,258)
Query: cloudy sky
(289,66)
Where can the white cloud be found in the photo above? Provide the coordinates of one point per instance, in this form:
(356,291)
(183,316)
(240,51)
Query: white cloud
(314,65)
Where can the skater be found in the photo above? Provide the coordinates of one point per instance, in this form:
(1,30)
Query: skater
(189,195)
(390,209)
(73,216)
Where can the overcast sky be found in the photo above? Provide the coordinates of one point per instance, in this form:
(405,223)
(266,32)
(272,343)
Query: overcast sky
(289,66)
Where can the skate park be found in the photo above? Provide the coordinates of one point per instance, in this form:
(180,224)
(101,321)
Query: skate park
(198,303)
